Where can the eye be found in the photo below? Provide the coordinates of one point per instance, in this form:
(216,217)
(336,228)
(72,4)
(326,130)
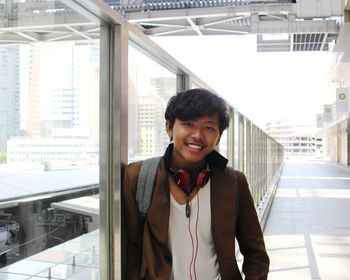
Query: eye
(211,128)
(187,124)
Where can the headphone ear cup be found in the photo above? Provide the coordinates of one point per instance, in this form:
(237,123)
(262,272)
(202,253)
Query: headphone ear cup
(202,178)
(182,180)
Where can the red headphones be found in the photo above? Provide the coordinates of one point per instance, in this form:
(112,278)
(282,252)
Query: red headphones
(188,181)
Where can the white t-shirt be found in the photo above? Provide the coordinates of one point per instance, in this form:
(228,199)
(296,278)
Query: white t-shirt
(190,239)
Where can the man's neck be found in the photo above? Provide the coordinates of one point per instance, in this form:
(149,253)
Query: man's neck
(178,162)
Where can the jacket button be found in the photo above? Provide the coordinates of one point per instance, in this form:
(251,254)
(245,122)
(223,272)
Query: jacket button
(167,259)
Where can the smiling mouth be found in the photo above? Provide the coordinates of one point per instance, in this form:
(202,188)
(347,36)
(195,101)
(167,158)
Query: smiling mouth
(195,146)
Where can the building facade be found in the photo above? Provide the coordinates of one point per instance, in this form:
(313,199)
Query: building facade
(298,139)
(9,93)
(51,151)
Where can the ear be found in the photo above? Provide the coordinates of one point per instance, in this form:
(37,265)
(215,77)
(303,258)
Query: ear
(169,130)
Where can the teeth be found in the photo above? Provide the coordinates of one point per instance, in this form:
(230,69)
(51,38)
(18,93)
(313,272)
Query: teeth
(194,146)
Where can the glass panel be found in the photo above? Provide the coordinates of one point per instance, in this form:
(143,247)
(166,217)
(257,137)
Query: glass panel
(223,144)
(195,85)
(150,87)
(236,141)
(230,145)
(247,149)
(49,139)
(241,143)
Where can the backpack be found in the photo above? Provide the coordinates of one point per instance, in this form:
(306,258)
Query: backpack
(145,185)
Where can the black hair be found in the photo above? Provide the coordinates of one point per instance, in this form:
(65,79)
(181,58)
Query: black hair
(196,103)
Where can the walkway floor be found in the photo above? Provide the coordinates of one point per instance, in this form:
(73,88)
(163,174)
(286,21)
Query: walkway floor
(307,234)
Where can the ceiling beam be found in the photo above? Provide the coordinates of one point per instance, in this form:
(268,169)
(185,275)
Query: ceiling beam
(195,27)
(209,12)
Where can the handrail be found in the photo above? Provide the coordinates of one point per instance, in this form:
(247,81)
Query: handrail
(73,263)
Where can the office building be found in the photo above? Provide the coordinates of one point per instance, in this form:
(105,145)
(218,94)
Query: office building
(9,94)
(297,138)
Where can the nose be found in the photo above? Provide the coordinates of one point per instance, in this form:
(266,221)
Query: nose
(197,133)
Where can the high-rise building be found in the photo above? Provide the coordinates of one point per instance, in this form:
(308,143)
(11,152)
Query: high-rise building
(9,94)
(32,118)
(151,126)
(297,138)
(59,92)
(65,97)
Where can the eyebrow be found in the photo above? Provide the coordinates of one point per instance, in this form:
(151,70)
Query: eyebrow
(205,122)
(211,122)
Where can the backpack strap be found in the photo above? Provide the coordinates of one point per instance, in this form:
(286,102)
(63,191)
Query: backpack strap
(145,184)
(144,191)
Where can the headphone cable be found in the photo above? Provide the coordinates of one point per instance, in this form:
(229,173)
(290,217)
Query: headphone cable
(196,231)
(192,257)
(194,246)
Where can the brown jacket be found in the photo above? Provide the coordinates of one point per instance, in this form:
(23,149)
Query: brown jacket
(156,257)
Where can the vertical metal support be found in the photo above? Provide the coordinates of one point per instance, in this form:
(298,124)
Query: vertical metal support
(261,173)
(248,171)
(264,164)
(235,136)
(241,142)
(182,82)
(105,266)
(256,164)
(113,144)
(120,137)
(252,171)
(230,139)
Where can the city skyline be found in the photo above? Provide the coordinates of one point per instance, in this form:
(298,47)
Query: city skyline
(58,97)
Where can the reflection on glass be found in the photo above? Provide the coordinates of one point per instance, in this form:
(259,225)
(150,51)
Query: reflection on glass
(246,147)
(150,88)
(236,140)
(52,104)
(49,132)
(195,85)
(223,144)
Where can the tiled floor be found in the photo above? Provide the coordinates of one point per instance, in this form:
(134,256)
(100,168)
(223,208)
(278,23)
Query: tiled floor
(308,230)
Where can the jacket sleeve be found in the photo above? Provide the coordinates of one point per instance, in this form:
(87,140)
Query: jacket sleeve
(249,234)
(130,221)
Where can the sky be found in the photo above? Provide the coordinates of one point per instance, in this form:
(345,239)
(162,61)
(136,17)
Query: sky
(263,86)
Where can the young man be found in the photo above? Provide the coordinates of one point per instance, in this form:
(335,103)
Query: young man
(195,214)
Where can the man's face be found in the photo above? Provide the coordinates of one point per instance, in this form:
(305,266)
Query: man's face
(193,140)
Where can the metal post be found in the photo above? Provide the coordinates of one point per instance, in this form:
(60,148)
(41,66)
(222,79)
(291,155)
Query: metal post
(113,145)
